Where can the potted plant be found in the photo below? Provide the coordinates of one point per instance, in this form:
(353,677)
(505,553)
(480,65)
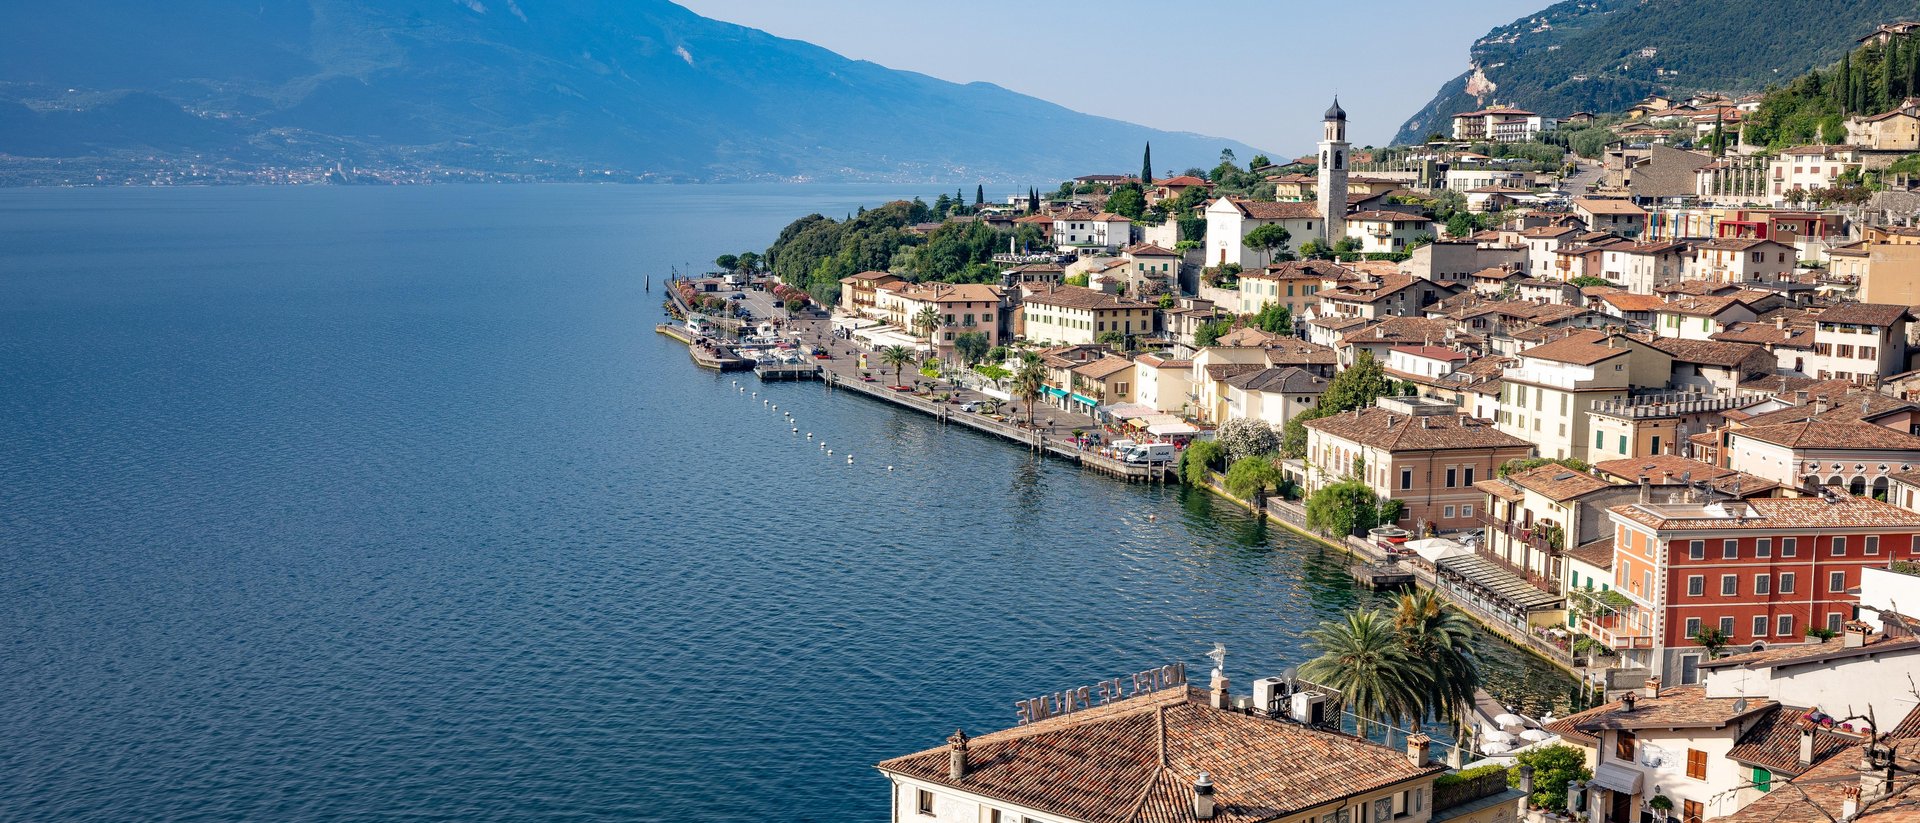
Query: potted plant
(1661,806)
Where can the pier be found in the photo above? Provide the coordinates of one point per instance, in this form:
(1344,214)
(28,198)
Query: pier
(786,371)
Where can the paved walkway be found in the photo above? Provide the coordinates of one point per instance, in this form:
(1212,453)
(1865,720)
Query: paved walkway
(1057,424)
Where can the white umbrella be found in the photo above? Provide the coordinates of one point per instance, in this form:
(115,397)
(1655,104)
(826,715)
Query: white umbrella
(1497,736)
(1509,720)
(1536,735)
(1492,747)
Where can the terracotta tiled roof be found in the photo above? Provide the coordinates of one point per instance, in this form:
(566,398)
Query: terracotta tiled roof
(1819,793)
(1441,353)
(1598,205)
(1681,707)
(1864,314)
(1558,483)
(1768,333)
(1103,368)
(1698,305)
(1223,371)
(1823,434)
(1844,401)
(1628,301)
(1672,470)
(1269,210)
(1284,379)
(1290,351)
(1544,232)
(1581,348)
(1595,553)
(1400,330)
(1706,352)
(869,276)
(1302,270)
(1812,652)
(1149,250)
(1137,759)
(1695,287)
(1247,336)
(1776,513)
(1389,431)
(1732,243)
(1773,742)
(1387,217)
(1183,180)
(1075,297)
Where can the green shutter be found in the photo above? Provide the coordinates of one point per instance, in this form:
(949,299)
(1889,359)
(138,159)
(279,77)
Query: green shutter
(1762,779)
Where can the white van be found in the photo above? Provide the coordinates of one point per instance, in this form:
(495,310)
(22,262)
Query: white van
(1150,453)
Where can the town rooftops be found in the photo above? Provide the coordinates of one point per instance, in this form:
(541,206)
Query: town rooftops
(1270,210)
(1291,351)
(1782,514)
(1706,352)
(1379,216)
(1556,482)
(1673,470)
(1182,181)
(1302,270)
(1440,353)
(1597,553)
(1402,330)
(1149,250)
(1699,305)
(1602,205)
(1831,435)
(1391,431)
(1548,232)
(1732,243)
(1103,368)
(1683,707)
(1137,760)
(951,293)
(1864,314)
(1583,347)
(1076,297)
(1629,301)
(869,277)
(1802,654)
(1282,379)
(1773,742)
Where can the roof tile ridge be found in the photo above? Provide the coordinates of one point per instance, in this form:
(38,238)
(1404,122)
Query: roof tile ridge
(1160,769)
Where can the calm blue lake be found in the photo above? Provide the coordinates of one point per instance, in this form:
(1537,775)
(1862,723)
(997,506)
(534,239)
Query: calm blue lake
(352,504)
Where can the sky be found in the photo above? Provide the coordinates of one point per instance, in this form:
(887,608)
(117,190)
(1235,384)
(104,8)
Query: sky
(1257,71)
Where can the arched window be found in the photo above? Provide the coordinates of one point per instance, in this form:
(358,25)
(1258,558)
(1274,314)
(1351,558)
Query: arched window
(1880,488)
(1337,159)
(1835,481)
(1857,488)
(1323,156)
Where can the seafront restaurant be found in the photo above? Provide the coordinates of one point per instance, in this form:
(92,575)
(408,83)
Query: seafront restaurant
(1141,421)
(1488,588)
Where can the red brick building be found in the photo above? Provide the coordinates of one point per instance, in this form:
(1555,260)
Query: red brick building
(1763,571)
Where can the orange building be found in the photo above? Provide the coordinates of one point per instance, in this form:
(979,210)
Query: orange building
(1761,571)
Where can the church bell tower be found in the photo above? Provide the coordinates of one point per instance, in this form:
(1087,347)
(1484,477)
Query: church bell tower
(1334,154)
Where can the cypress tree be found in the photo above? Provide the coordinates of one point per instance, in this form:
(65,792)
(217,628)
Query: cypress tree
(979,194)
(1846,82)
(1884,90)
(1146,166)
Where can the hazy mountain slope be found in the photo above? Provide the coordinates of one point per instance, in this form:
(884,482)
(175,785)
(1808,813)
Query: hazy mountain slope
(1602,55)
(640,87)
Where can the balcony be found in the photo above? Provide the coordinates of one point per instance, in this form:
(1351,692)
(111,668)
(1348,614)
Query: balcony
(1616,631)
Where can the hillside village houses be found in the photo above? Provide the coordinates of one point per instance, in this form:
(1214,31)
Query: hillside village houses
(1727,415)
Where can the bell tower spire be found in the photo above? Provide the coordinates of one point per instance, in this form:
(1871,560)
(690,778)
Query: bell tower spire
(1334,155)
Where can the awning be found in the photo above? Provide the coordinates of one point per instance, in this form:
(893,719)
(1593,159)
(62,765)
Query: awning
(1503,584)
(1129,410)
(1617,777)
(1164,429)
(1436,549)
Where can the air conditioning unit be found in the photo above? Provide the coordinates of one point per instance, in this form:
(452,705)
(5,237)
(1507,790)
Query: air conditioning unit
(1269,695)
(1310,708)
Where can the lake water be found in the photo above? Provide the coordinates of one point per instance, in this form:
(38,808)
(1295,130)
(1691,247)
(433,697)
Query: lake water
(349,504)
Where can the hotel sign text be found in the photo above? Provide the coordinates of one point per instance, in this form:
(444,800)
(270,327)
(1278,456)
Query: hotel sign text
(1103,692)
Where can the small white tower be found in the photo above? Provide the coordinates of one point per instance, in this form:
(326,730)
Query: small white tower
(1334,153)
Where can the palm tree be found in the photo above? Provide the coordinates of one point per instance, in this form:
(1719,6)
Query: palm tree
(1365,658)
(899,357)
(1439,640)
(926,320)
(1028,381)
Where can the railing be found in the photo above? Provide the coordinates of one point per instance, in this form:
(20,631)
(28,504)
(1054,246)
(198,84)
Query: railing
(1533,578)
(1615,631)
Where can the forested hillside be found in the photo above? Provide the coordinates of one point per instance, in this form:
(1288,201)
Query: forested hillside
(1603,55)
(1814,107)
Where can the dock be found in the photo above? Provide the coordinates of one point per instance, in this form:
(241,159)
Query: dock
(705,354)
(786,371)
(1378,576)
(1036,441)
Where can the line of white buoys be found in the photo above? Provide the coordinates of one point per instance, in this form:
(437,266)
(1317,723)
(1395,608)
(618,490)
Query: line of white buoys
(809,435)
(796,429)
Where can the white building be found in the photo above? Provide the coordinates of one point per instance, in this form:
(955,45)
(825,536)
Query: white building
(1807,168)
(1500,124)
(1091,230)
(1230,220)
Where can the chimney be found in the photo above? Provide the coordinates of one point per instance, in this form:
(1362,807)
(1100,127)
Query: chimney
(1652,688)
(1419,749)
(1526,780)
(1856,633)
(1203,806)
(1222,696)
(1646,492)
(1850,803)
(1806,746)
(1800,397)
(1876,773)
(1780,321)
(1820,405)
(1627,699)
(957,755)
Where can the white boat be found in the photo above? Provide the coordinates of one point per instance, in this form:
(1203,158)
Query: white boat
(699,325)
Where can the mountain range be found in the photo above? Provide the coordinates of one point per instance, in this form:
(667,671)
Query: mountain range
(1605,55)
(539,89)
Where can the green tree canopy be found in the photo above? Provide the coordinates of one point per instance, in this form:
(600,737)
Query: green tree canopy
(1209,332)
(1128,202)
(1244,437)
(1344,508)
(1198,458)
(1274,318)
(1553,768)
(1362,656)
(727,262)
(1268,239)
(1250,477)
(971,346)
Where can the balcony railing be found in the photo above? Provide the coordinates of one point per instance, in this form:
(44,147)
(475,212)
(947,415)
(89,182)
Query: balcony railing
(1616,631)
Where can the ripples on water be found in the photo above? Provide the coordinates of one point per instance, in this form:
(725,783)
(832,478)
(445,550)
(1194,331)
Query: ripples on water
(354,504)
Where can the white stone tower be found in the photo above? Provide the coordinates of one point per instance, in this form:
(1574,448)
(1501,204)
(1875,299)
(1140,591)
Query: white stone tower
(1333,174)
